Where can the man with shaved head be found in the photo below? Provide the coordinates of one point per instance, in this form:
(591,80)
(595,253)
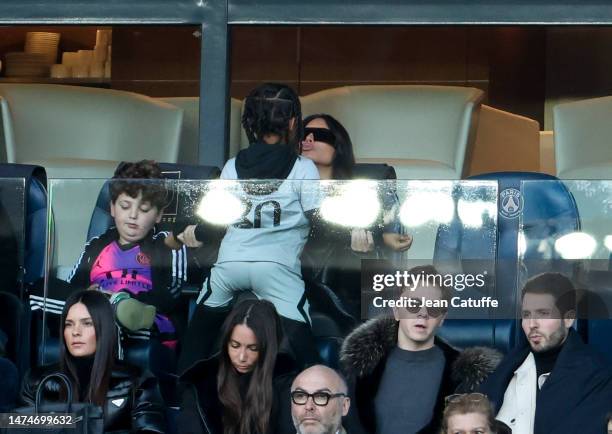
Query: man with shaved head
(319,399)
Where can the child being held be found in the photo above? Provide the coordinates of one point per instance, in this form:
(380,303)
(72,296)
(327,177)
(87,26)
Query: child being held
(131,261)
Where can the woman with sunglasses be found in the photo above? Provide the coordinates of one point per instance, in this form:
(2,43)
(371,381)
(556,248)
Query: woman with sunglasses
(245,388)
(470,413)
(328,144)
(129,398)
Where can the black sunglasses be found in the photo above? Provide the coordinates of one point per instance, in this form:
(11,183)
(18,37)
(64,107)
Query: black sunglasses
(321,135)
(299,397)
(415,306)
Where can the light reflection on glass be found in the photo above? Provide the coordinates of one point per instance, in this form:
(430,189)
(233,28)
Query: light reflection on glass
(608,242)
(521,244)
(357,205)
(471,213)
(219,206)
(576,245)
(421,208)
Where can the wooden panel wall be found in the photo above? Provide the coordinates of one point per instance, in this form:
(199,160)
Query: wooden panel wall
(157,60)
(508,63)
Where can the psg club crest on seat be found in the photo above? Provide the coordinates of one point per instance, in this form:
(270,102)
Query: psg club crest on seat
(511,203)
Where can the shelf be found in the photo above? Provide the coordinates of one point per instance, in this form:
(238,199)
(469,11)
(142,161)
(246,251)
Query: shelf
(100,82)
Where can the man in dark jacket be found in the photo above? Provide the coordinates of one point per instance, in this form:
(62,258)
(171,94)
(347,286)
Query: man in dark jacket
(556,384)
(400,371)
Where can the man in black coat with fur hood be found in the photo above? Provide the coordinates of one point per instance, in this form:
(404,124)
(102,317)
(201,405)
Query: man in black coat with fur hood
(400,372)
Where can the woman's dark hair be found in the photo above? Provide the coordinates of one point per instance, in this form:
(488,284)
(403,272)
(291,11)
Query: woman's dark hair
(152,191)
(249,414)
(103,320)
(269,109)
(344,159)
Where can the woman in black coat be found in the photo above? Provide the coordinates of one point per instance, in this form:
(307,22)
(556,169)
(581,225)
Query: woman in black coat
(129,398)
(334,259)
(245,389)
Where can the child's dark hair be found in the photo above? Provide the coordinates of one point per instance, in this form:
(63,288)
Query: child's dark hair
(152,191)
(269,109)
(344,159)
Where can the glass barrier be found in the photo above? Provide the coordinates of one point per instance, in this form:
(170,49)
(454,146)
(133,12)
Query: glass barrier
(340,251)
(336,236)
(566,228)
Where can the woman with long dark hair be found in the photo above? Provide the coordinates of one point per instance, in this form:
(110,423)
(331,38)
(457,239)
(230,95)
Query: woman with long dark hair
(245,388)
(129,398)
(328,144)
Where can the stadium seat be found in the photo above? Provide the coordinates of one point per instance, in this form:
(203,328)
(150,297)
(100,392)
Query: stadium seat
(536,212)
(582,132)
(190,128)
(48,124)
(24,231)
(28,212)
(504,141)
(424,132)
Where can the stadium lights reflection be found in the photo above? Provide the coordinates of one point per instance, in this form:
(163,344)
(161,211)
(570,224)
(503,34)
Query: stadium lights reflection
(521,244)
(471,212)
(576,245)
(356,206)
(219,206)
(608,242)
(423,207)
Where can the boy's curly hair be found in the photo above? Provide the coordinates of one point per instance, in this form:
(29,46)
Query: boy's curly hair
(152,191)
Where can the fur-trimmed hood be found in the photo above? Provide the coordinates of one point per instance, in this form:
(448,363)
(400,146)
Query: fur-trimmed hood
(371,342)
(363,358)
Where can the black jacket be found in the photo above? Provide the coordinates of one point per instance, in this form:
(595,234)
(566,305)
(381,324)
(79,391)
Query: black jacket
(133,401)
(168,268)
(201,411)
(168,273)
(363,358)
(574,399)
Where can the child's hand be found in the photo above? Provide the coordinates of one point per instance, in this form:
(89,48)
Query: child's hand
(172,243)
(188,237)
(361,241)
(397,242)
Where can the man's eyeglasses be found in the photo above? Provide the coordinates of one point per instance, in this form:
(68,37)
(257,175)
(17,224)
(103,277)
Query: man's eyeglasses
(414,306)
(299,397)
(471,397)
